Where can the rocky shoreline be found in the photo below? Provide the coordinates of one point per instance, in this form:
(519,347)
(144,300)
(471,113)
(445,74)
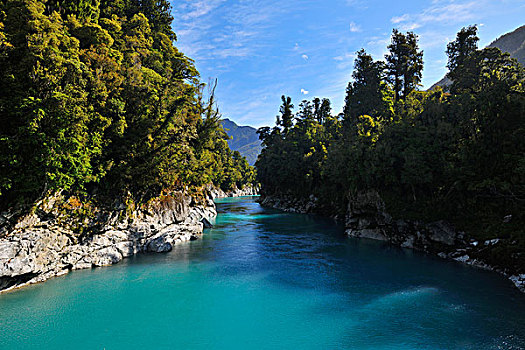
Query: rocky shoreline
(246,191)
(40,245)
(365,217)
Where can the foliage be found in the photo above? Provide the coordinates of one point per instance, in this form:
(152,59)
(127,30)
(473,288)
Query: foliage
(404,63)
(431,155)
(97,99)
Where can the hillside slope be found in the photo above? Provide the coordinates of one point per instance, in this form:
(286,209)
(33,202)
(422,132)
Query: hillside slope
(513,43)
(243,139)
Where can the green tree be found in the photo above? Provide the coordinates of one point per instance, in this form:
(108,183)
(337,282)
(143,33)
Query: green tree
(286,118)
(367,94)
(404,63)
(97,99)
(459,50)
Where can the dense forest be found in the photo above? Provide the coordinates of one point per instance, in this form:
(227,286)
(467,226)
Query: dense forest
(431,155)
(97,99)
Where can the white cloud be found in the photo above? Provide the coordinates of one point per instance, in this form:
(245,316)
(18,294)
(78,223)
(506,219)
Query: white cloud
(357,4)
(410,27)
(304,92)
(344,57)
(354,28)
(345,60)
(445,11)
(399,19)
(204,35)
(201,8)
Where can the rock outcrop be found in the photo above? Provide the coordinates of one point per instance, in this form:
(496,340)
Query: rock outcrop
(366,217)
(40,245)
(291,204)
(245,191)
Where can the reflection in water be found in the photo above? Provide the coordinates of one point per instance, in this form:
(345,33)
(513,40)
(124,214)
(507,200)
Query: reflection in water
(262,278)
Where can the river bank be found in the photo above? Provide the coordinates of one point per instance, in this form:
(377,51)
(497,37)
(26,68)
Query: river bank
(266,279)
(46,242)
(366,217)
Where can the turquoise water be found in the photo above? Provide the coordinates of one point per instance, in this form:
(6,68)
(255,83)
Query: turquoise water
(263,279)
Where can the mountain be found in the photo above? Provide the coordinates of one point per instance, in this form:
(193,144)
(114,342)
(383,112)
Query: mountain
(513,43)
(243,139)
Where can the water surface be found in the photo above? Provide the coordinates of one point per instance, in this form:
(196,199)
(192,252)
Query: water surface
(264,279)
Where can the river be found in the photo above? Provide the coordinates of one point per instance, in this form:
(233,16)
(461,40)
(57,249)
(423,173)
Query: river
(264,279)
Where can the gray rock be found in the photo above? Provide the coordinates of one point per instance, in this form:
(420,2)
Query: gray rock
(442,232)
(463,258)
(408,243)
(492,241)
(33,252)
(106,256)
(206,223)
(126,249)
(519,281)
(367,233)
(159,245)
(8,250)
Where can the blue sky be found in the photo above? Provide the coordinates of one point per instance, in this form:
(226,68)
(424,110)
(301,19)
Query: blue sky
(261,49)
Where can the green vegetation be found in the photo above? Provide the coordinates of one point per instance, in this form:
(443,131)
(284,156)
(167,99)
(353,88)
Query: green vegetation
(95,98)
(513,43)
(431,155)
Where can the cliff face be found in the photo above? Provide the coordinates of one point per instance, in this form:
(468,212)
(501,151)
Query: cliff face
(246,191)
(40,245)
(366,217)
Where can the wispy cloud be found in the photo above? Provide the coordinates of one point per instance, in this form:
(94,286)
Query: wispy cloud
(399,19)
(208,29)
(445,11)
(345,60)
(354,28)
(261,49)
(199,8)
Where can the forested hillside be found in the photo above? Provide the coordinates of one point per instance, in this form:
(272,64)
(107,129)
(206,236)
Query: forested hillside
(458,156)
(513,43)
(97,100)
(243,139)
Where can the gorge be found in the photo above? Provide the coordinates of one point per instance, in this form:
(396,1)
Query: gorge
(380,216)
(263,278)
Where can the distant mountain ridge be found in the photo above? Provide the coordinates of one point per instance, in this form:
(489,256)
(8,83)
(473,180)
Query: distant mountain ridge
(243,139)
(513,43)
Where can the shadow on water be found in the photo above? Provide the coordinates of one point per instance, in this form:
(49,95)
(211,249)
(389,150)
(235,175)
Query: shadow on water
(388,290)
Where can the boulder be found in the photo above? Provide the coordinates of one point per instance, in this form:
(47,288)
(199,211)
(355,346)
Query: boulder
(206,223)
(106,256)
(442,232)
(159,245)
